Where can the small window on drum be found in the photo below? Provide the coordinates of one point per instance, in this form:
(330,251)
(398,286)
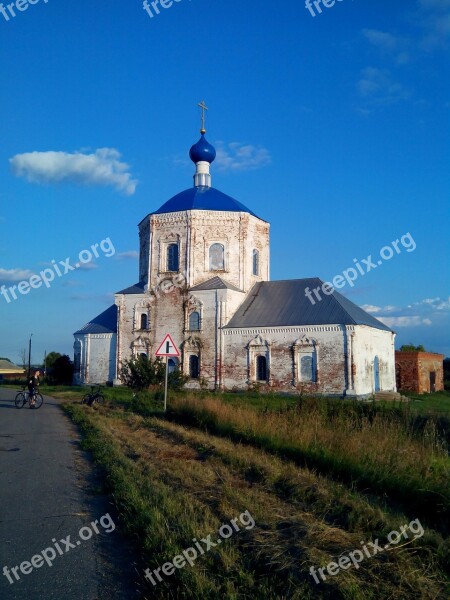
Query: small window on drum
(255,262)
(173,260)
(217,257)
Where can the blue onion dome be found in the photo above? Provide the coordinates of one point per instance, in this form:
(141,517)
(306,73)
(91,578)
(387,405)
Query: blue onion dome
(202,151)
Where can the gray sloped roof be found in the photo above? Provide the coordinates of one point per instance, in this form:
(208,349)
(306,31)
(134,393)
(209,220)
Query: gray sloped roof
(215,283)
(137,288)
(284,304)
(106,322)
(7,365)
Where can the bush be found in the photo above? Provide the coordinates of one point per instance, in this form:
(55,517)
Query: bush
(141,373)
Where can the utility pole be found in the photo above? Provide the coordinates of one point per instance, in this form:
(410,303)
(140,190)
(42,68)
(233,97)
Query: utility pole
(29,356)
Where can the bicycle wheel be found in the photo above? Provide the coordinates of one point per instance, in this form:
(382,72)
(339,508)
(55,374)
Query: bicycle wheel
(86,399)
(20,400)
(38,401)
(99,399)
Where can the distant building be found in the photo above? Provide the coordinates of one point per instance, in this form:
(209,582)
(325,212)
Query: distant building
(421,372)
(204,278)
(8,370)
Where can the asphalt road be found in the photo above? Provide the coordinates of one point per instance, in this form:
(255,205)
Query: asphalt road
(48,491)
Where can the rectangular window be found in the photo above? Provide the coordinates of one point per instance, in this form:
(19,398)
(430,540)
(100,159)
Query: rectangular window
(307,367)
(255,262)
(194,321)
(217,257)
(173,260)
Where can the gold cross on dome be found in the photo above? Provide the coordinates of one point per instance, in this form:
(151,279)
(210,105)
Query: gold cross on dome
(203,106)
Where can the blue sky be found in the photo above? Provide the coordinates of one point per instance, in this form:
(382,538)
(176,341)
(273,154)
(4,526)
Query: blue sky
(334,128)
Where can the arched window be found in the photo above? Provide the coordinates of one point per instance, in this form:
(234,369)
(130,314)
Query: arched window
(143,356)
(261,368)
(194,366)
(194,321)
(255,262)
(217,257)
(307,368)
(144,321)
(173,259)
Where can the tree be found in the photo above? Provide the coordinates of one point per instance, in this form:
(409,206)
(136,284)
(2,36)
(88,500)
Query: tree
(52,357)
(61,372)
(412,348)
(24,359)
(141,372)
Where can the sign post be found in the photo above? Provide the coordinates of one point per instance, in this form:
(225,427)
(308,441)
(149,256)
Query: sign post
(167,348)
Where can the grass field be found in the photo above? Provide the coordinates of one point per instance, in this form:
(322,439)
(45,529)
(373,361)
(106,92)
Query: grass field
(319,478)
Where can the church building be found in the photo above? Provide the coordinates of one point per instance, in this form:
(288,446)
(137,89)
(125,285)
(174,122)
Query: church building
(204,278)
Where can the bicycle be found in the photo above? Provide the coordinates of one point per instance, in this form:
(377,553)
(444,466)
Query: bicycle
(24,396)
(94,397)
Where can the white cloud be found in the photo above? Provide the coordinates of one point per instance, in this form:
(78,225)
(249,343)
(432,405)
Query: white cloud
(435,4)
(388,44)
(235,156)
(423,312)
(434,303)
(87,266)
(8,275)
(389,308)
(107,298)
(103,167)
(128,255)
(370,308)
(412,321)
(378,88)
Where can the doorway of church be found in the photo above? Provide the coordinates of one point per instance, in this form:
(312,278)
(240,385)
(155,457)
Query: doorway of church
(194,366)
(432,381)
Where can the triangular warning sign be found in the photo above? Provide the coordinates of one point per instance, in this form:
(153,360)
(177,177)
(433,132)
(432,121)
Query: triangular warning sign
(167,347)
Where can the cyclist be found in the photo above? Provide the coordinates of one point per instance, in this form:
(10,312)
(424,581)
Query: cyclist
(33,387)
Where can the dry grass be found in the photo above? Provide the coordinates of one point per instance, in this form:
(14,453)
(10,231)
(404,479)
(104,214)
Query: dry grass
(377,452)
(172,484)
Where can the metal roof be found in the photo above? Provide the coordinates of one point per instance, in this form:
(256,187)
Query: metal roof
(216,283)
(284,303)
(106,322)
(7,366)
(137,288)
(202,198)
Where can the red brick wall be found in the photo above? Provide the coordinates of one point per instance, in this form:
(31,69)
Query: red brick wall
(413,371)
